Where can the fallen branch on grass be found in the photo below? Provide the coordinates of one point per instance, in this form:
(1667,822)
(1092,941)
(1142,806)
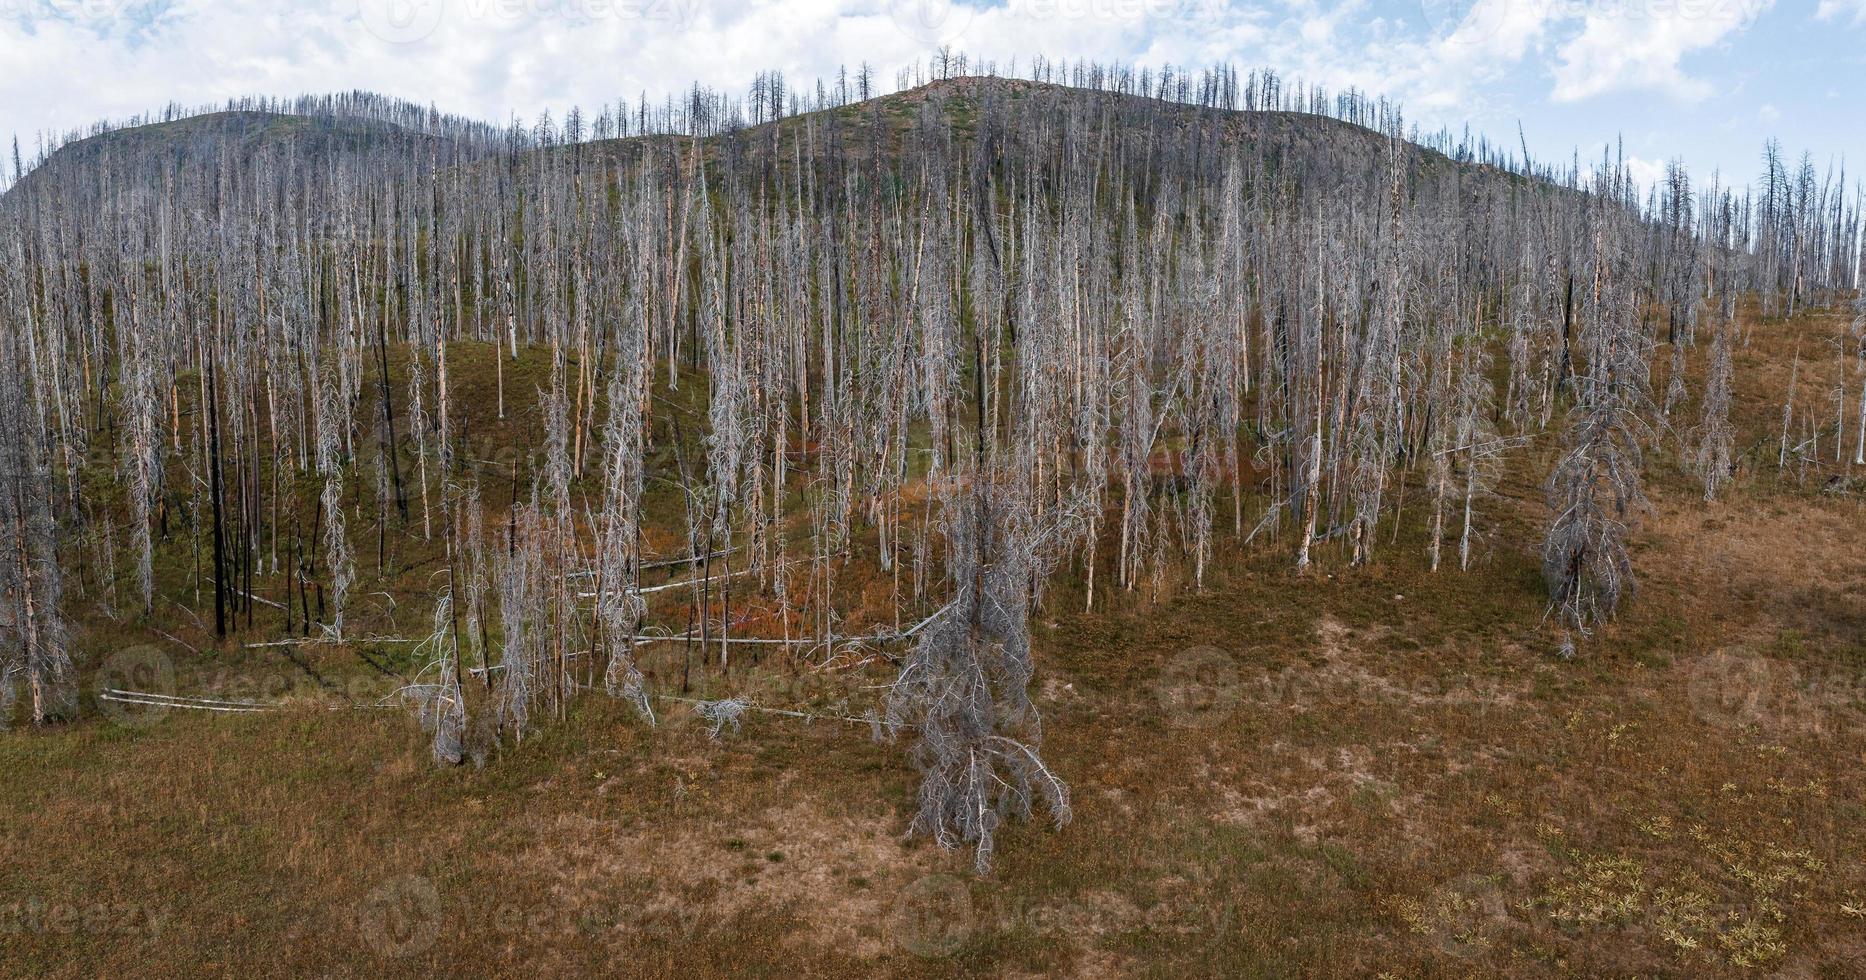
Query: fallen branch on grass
(156,700)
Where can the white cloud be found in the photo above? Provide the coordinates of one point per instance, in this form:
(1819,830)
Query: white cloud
(1502,30)
(64,63)
(1639,44)
(1645,173)
(492,58)
(1854,10)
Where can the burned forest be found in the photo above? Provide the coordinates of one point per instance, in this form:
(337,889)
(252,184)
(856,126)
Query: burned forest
(821,412)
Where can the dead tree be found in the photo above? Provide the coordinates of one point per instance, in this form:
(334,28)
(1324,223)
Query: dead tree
(33,650)
(1596,487)
(963,688)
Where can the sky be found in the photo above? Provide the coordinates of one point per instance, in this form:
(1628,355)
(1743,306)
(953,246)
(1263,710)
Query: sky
(1705,81)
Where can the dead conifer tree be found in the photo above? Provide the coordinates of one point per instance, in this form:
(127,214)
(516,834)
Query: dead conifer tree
(1714,459)
(332,413)
(963,688)
(1596,486)
(439,702)
(619,603)
(33,651)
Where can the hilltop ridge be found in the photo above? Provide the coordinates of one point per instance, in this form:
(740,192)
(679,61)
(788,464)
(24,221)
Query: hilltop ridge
(1310,141)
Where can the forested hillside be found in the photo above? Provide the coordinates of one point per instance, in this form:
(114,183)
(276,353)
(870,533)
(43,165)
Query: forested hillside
(829,415)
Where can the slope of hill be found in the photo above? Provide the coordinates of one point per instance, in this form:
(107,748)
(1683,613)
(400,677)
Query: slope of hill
(209,139)
(639,503)
(126,170)
(1381,771)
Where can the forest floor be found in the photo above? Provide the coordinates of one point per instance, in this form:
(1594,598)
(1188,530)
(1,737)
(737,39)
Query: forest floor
(1372,771)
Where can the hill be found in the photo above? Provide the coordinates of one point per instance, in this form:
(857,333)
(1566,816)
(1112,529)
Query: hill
(509,563)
